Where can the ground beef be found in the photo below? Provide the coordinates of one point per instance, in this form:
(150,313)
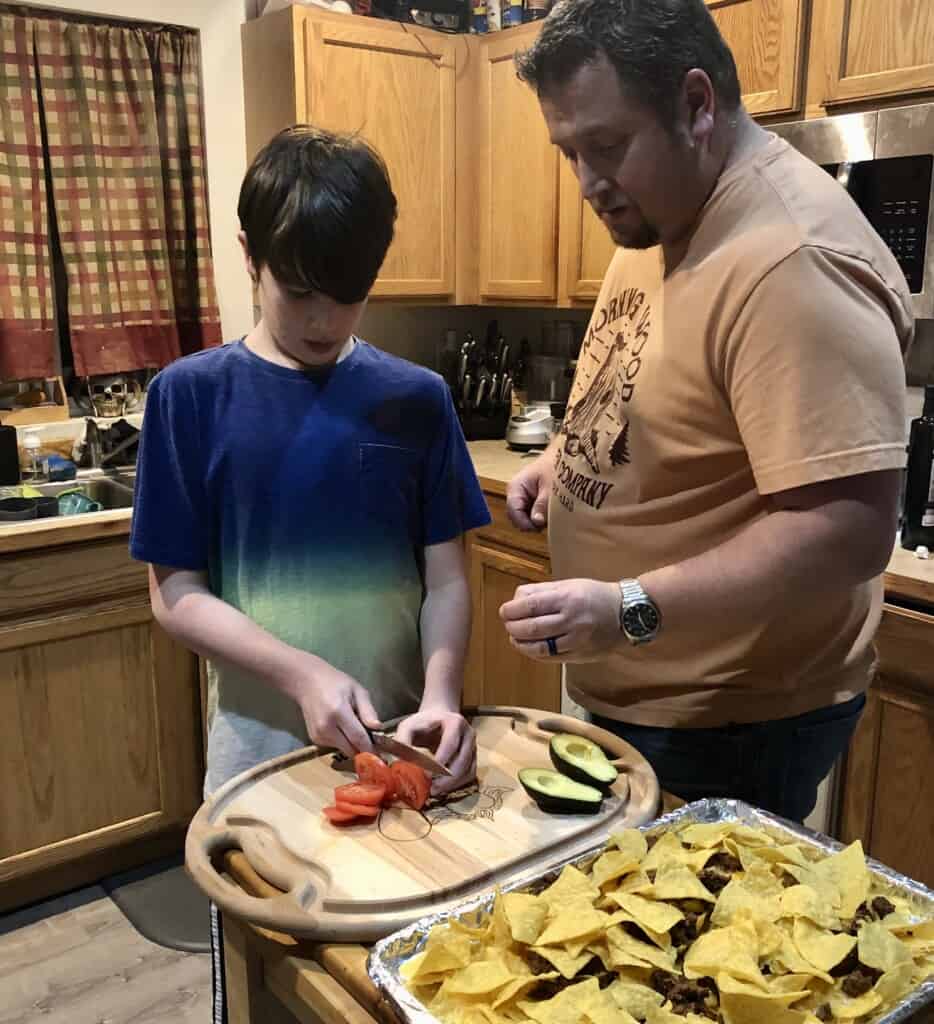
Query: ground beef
(846,966)
(724,861)
(547,989)
(686,931)
(870,910)
(860,981)
(823,1012)
(714,879)
(537,964)
(882,907)
(687,996)
(650,841)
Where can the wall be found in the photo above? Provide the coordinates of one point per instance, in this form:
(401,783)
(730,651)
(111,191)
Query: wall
(219,23)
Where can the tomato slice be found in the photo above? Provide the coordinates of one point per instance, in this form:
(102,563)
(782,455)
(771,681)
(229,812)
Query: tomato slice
(412,783)
(337,816)
(360,793)
(359,810)
(373,769)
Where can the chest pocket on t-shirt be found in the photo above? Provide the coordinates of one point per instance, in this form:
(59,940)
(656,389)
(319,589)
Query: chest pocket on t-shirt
(390,489)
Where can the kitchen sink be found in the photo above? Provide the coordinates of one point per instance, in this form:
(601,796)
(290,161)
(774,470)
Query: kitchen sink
(110,493)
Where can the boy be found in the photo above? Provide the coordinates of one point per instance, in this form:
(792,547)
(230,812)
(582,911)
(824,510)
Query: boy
(301,496)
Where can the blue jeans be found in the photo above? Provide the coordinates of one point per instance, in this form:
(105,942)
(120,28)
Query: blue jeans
(773,765)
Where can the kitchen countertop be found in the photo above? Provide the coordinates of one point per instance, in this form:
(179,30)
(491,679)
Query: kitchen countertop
(907,578)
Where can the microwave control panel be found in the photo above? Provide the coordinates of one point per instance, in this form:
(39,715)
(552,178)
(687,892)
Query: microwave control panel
(895,196)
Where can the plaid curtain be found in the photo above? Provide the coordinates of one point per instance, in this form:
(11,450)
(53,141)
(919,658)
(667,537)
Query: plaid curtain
(124,143)
(27,303)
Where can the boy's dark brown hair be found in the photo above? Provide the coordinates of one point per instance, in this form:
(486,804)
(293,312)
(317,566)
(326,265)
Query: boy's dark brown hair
(318,210)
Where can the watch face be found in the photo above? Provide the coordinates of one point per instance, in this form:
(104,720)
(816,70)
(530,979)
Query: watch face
(640,620)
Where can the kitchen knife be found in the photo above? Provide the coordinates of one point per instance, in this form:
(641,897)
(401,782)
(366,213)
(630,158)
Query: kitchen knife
(482,385)
(465,391)
(387,744)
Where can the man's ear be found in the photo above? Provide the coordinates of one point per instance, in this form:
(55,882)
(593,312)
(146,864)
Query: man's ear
(248,260)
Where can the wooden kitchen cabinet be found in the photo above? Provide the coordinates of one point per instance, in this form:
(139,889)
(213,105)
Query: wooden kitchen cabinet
(886,798)
(517,177)
(100,744)
(871,49)
(501,558)
(393,84)
(767,40)
(586,247)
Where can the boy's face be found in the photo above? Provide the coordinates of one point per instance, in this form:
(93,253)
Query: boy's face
(310,328)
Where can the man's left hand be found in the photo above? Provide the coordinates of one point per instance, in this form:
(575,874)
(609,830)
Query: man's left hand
(581,618)
(452,740)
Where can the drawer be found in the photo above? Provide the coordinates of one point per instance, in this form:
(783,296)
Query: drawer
(502,532)
(87,576)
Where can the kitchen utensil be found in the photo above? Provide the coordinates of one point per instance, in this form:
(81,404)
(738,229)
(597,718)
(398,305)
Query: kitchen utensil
(532,428)
(46,507)
(360,882)
(482,386)
(72,503)
(387,744)
(465,390)
(390,954)
(17,509)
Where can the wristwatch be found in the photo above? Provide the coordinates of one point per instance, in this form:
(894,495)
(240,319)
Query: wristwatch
(639,617)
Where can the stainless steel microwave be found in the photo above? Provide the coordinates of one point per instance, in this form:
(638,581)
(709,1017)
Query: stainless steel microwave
(885,160)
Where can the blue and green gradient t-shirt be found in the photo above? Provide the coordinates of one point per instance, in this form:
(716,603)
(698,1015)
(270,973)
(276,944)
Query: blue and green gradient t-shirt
(308,498)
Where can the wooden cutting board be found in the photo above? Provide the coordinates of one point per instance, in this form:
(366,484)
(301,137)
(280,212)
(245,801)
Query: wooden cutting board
(361,882)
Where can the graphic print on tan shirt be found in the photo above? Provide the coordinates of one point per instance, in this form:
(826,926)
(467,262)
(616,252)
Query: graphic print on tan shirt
(769,359)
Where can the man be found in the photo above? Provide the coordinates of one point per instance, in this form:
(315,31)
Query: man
(721,500)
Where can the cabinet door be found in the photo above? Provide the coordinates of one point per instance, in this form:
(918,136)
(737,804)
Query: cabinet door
(518,177)
(100,737)
(585,247)
(767,40)
(885,800)
(496,672)
(876,49)
(396,88)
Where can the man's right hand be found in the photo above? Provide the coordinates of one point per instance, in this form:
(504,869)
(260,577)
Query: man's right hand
(336,708)
(528,491)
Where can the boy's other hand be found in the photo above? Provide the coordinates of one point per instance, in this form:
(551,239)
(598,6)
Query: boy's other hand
(337,710)
(452,740)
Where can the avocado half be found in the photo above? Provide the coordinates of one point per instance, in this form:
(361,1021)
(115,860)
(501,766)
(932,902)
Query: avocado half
(582,760)
(557,794)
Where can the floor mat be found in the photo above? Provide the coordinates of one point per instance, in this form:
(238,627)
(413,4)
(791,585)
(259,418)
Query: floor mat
(164,905)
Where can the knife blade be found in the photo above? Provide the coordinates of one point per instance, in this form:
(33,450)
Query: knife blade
(390,745)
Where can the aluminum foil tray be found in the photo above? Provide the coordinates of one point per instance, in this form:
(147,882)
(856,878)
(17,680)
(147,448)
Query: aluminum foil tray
(389,954)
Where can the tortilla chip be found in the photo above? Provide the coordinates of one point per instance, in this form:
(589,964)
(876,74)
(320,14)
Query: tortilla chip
(724,950)
(892,987)
(706,835)
(668,851)
(638,882)
(612,865)
(576,919)
(637,1000)
(630,841)
(660,939)
(879,949)
(848,872)
(803,901)
(678,882)
(850,1007)
(793,962)
(791,983)
(777,996)
(478,979)
(625,950)
(648,914)
(736,896)
(737,1008)
(526,915)
(565,1007)
(445,951)
(568,965)
(822,949)
(569,884)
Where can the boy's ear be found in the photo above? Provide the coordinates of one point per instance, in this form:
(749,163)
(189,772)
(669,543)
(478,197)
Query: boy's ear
(250,269)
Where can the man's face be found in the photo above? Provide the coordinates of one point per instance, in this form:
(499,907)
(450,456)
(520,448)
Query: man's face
(640,177)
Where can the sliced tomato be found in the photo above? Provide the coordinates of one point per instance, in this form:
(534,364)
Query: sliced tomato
(412,783)
(373,769)
(360,793)
(337,816)
(360,810)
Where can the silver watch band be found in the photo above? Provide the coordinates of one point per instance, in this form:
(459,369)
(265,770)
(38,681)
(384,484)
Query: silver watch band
(631,592)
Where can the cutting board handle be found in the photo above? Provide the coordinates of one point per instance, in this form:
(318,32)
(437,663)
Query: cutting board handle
(303,885)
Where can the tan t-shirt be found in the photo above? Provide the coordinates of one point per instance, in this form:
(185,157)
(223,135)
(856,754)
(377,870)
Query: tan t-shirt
(771,358)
